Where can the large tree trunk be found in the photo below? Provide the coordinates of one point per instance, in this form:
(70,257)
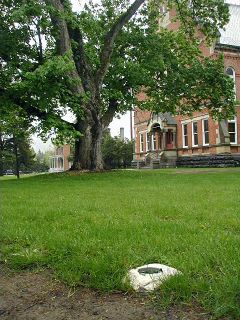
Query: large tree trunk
(97,134)
(88,153)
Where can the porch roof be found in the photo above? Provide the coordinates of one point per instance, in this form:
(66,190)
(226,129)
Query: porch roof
(163,119)
(166,116)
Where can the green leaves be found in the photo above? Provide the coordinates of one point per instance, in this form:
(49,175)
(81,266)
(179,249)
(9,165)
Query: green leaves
(167,64)
(117,153)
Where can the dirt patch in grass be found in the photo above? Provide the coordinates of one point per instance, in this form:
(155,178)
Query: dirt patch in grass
(36,295)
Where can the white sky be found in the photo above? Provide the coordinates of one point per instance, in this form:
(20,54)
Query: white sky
(233,1)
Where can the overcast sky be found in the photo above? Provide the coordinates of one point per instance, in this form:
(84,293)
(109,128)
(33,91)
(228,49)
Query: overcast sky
(233,1)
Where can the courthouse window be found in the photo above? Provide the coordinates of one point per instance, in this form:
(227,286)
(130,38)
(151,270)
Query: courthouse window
(231,73)
(232,129)
(141,142)
(194,134)
(205,126)
(185,135)
(148,139)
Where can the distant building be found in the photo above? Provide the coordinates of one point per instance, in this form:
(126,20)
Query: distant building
(61,160)
(166,140)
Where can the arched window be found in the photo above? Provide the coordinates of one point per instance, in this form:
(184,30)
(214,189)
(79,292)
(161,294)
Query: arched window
(231,73)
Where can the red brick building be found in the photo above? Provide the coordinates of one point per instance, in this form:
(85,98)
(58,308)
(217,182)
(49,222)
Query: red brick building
(166,140)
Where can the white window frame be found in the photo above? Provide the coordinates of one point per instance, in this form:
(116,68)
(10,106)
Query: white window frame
(154,142)
(164,12)
(233,76)
(203,132)
(184,135)
(234,120)
(148,141)
(141,141)
(163,9)
(193,134)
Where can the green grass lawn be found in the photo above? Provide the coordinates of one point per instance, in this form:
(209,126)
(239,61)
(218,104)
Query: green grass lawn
(91,228)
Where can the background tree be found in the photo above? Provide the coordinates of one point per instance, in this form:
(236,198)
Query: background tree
(42,161)
(95,62)
(117,152)
(16,153)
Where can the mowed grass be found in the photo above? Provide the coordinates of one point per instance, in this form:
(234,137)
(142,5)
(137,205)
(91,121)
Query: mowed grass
(91,228)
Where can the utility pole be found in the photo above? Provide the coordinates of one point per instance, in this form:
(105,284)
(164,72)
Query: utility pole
(131,126)
(15,147)
(131,115)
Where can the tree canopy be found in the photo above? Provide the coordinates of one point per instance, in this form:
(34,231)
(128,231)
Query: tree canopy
(16,152)
(93,63)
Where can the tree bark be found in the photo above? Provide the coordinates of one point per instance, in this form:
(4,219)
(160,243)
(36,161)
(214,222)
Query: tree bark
(88,147)
(88,153)
(97,134)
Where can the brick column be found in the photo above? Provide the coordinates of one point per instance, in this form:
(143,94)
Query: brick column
(174,139)
(164,140)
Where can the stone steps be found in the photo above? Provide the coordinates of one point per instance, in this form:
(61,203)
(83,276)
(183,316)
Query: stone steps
(201,161)
(221,160)
(155,164)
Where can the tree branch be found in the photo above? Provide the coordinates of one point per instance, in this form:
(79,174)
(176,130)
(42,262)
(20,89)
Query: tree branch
(63,42)
(81,62)
(38,44)
(40,47)
(33,111)
(44,116)
(110,37)
(110,113)
(66,33)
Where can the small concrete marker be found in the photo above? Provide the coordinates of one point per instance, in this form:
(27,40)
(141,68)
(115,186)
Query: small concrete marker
(150,276)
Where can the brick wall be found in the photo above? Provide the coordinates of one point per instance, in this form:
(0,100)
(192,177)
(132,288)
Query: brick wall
(197,117)
(66,153)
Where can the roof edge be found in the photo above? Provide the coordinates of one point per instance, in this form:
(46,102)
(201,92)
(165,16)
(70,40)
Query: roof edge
(227,46)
